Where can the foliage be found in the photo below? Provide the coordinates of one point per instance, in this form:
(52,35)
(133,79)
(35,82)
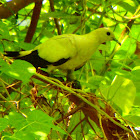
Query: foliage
(33,106)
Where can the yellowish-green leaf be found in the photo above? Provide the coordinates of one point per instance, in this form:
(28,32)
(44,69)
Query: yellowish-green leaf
(122,92)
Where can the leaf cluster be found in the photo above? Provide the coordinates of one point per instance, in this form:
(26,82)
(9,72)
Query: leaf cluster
(35,106)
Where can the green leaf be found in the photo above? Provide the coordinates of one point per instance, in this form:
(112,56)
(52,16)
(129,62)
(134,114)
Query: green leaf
(129,5)
(133,119)
(10,45)
(121,72)
(26,46)
(77,131)
(137,99)
(20,70)
(3,123)
(1,48)
(97,61)
(95,1)
(17,46)
(136,78)
(59,15)
(2,63)
(136,73)
(40,121)
(74,121)
(39,116)
(37,124)
(93,82)
(4,32)
(122,92)
(21,136)
(16,120)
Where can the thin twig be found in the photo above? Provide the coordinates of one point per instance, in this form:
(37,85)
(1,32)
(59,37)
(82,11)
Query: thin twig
(55,19)
(71,112)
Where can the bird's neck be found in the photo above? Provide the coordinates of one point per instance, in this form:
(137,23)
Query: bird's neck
(96,37)
(93,37)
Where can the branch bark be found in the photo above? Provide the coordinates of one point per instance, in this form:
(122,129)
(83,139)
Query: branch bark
(34,20)
(104,118)
(12,7)
(55,19)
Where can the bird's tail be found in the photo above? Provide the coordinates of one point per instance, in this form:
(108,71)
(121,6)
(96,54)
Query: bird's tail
(17,54)
(29,56)
(11,54)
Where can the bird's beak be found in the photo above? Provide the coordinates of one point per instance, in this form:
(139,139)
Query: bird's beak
(117,41)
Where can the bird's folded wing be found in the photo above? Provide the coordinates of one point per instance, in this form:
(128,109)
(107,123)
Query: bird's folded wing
(58,48)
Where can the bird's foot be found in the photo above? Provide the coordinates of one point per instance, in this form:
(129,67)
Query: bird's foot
(76,84)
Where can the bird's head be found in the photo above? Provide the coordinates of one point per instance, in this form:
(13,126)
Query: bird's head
(105,34)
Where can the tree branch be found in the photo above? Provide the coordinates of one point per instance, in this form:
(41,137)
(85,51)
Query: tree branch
(34,20)
(91,108)
(12,7)
(55,19)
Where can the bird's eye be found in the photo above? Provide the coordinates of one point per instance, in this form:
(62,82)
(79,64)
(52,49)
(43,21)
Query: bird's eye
(108,33)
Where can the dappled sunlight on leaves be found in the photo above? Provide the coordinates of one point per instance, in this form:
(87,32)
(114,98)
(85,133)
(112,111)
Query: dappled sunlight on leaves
(36,106)
(122,92)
